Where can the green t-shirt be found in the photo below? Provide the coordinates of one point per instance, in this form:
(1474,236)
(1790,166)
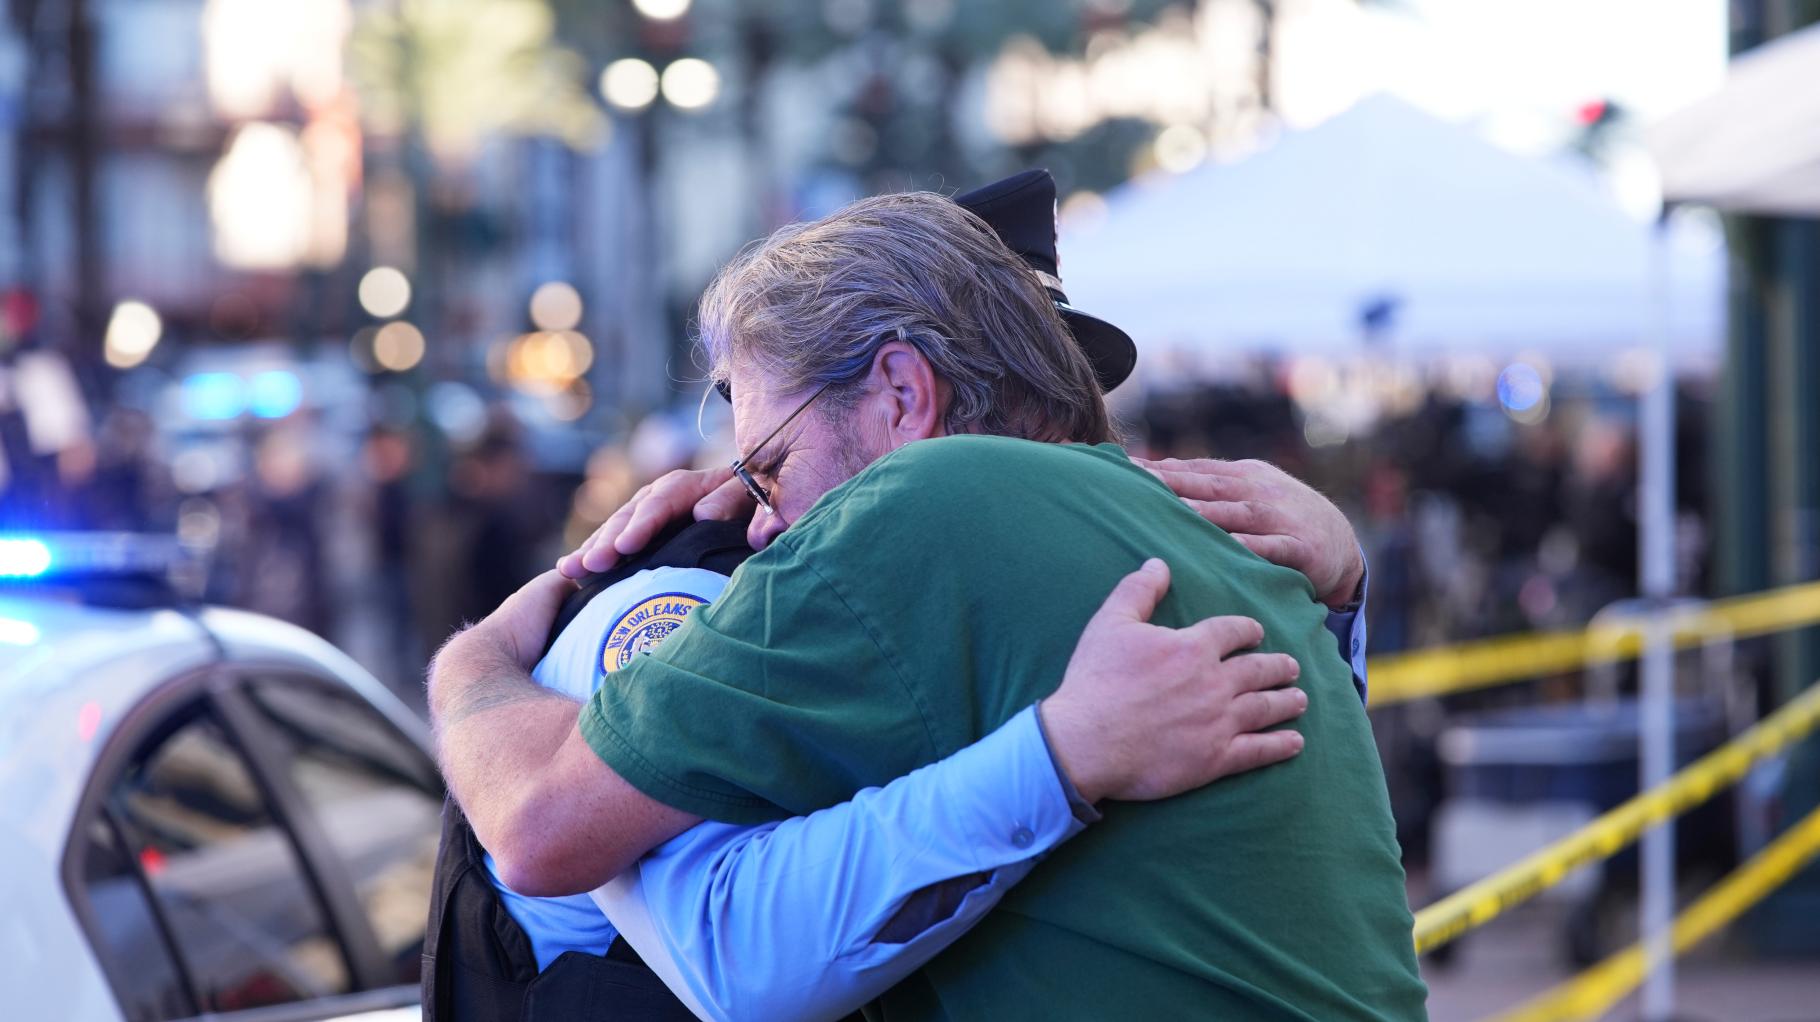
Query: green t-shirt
(927,600)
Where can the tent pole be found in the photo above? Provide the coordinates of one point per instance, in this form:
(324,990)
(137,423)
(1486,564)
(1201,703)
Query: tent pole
(1656,563)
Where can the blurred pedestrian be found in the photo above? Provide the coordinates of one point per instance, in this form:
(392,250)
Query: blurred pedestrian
(496,532)
(282,569)
(388,457)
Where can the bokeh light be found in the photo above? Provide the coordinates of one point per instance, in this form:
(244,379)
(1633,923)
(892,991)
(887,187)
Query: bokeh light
(544,361)
(214,397)
(456,410)
(261,199)
(14,632)
(274,394)
(384,292)
(199,469)
(691,83)
(1323,431)
(570,403)
(1180,148)
(132,332)
(1083,212)
(1523,393)
(1635,370)
(198,523)
(23,558)
(629,84)
(398,346)
(1313,381)
(255,51)
(580,353)
(555,305)
(662,10)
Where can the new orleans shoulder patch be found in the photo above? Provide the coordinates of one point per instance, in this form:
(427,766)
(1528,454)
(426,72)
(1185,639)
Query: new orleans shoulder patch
(644,627)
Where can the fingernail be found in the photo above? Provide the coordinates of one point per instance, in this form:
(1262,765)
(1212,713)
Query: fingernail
(1298,741)
(1154,564)
(1301,699)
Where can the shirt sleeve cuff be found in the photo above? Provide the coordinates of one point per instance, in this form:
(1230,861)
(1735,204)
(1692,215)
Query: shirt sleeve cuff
(1024,811)
(1077,804)
(1348,628)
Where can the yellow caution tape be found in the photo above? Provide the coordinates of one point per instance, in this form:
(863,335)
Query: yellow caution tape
(1400,677)
(1595,991)
(1484,901)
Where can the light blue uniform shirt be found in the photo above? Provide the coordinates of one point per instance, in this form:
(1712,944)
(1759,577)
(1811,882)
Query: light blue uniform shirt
(782,920)
(575,667)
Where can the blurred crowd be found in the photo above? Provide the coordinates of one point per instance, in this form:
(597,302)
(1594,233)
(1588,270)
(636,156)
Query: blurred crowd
(1474,523)
(382,534)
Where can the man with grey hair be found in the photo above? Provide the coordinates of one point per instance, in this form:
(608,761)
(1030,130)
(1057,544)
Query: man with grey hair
(891,366)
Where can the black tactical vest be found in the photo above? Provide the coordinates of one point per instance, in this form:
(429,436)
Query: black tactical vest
(477,961)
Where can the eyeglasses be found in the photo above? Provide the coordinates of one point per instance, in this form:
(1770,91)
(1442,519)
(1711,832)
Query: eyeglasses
(758,493)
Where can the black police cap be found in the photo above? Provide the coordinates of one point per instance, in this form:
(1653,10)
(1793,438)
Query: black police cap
(1021,210)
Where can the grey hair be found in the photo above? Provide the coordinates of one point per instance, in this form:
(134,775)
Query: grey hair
(813,303)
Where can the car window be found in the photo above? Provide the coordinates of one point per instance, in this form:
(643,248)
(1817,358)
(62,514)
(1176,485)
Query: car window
(377,798)
(226,876)
(128,943)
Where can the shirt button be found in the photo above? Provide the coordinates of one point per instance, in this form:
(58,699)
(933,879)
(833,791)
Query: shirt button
(1022,838)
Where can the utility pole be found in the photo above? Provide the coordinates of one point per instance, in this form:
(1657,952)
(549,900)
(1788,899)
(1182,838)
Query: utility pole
(60,117)
(84,154)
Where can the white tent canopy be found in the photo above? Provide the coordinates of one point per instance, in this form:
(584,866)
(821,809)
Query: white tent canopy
(1754,146)
(1477,249)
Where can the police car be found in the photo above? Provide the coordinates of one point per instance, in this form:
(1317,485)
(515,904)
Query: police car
(203,812)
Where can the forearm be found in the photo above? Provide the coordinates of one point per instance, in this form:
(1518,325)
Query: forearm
(496,731)
(812,917)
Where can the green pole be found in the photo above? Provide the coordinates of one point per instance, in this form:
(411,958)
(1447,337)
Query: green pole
(1768,464)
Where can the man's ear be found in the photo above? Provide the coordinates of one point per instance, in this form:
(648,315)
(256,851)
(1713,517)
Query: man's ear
(913,399)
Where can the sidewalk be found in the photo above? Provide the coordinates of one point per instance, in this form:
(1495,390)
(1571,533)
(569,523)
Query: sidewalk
(1520,955)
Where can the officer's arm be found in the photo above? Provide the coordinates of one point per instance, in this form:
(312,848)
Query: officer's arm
(1276,516)
(1287,522)
(556,819)
(814,916)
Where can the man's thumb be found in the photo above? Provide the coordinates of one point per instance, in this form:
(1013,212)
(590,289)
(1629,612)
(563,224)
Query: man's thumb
(1137,594)
(544,594)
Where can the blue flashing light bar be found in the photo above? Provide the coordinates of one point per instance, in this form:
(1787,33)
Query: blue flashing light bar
(52,555)
(275,394)
(24,557)
(214,396)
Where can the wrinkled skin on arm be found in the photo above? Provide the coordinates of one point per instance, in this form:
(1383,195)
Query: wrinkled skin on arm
(557,819)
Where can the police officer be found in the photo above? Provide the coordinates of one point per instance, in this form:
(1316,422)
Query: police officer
(493,954)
